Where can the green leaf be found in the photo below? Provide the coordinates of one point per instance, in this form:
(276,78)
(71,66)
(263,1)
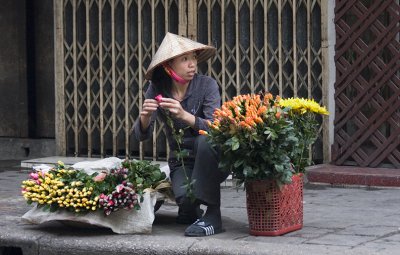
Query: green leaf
(139,180)
(53,208)
(247,171)
(238,163)
(235,144)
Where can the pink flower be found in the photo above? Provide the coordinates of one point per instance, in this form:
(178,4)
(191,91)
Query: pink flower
(119,188)
(38,182)
(34,176)
(100,177)
(159,98)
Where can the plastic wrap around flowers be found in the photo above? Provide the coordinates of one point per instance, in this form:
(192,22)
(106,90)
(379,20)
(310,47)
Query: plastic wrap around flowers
(79,192)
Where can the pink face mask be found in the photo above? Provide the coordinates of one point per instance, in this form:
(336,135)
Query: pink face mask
(171,73)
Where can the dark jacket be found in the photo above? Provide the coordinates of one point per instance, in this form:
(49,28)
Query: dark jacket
(201,99)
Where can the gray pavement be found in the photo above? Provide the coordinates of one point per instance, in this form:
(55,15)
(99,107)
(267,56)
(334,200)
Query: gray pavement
(337,220)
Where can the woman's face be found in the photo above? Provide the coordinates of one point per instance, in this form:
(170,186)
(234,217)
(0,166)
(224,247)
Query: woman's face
(185,66)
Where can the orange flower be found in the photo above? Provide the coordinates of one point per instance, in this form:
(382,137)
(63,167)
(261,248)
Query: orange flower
(216,127)
(203,132)
(244,125)
(261,110)
(258,120)
(278,115)
(269,96)
(250,121)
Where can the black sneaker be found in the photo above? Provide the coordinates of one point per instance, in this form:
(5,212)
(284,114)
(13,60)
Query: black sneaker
(189,217)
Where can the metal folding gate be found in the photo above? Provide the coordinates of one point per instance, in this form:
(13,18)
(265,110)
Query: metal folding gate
(367,91)
(104,46)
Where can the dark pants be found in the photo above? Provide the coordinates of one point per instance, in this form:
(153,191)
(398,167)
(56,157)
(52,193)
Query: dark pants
(203,168)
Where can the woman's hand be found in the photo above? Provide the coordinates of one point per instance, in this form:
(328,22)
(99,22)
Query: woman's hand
(173,106)
(176,111)
(149,106)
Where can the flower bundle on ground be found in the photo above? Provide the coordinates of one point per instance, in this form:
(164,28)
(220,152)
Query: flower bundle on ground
(79,192)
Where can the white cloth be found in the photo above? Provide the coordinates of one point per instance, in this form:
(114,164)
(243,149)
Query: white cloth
(90,167)
(42,167)
(121,222)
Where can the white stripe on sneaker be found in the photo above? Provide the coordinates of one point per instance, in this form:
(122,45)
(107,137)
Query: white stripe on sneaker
(209,230)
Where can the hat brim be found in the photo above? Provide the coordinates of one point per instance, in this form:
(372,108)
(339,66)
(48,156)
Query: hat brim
(204,54)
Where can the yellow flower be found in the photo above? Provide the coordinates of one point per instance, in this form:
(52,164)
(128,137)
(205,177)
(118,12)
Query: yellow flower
(303,105)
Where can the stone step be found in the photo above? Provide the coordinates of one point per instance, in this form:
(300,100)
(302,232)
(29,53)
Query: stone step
(351,175)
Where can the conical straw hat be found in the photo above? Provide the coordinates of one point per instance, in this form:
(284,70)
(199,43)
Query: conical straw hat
(174,45)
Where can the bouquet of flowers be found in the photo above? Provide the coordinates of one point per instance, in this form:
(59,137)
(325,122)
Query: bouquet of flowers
(304,113)
(254,136)
(264,137)
(78,192)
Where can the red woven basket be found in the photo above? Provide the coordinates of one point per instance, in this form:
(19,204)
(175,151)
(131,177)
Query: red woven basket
(272,211)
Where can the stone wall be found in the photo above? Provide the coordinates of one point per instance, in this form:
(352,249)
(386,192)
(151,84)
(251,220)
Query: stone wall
(13,80)
(27,69)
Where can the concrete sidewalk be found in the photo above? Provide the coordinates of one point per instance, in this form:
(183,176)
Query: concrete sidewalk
(337,220)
